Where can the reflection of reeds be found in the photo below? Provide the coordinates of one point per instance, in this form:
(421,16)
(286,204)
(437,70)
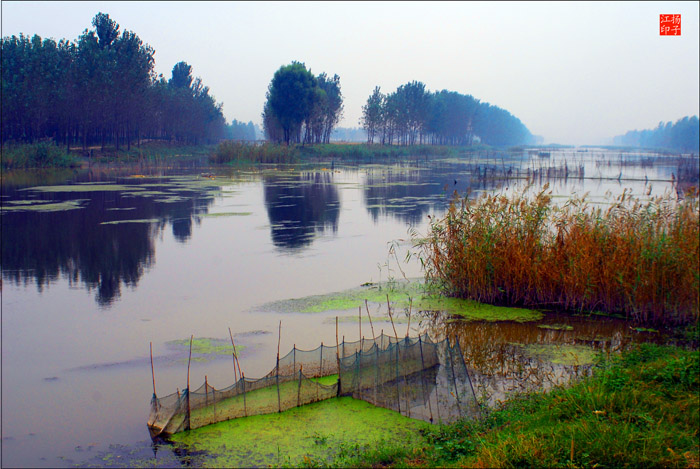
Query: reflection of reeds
(636,258)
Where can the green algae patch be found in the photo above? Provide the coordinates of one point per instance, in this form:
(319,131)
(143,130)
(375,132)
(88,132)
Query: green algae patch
(83,188)
(556,327)
(318,430)
(399,294)
(562,354)
(227,214)
(402,297)
(42,206)
(204,348)
(475,311)
(141,220)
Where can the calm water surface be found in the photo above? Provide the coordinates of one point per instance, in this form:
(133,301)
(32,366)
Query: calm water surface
(126,257)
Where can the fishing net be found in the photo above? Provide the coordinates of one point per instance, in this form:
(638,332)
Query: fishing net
(414,376)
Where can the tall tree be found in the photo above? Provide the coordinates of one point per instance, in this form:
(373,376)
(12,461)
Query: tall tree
(371,119)
(291,97)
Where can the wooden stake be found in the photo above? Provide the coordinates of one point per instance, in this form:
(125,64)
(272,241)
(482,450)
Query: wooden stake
(277,374)
(235,358)
(391,318)
(153,373)
(279,338)
(359,316)
(410,304)
(370,322)
(337,352)
(188,364)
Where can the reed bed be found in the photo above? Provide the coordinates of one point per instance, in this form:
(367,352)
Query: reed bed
(232,152)
(635,258)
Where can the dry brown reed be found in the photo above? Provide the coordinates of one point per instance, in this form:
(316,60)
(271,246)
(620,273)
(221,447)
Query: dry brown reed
(635,258)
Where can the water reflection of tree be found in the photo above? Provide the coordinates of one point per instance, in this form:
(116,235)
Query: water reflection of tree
(41,248)
(300,207)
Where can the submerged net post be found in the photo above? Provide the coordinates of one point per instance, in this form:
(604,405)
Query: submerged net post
(206,391)
(422,377)
(454,380)
(294,358)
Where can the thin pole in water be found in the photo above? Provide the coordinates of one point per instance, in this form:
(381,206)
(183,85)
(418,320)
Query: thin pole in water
(189,360)
(233,356)
(153,373)
(359,316)
(277,374)
(370,322)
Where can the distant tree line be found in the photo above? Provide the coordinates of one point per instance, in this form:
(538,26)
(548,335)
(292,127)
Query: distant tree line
(101,89)
(684,135)
(241,131)
(301,107)
(413,115)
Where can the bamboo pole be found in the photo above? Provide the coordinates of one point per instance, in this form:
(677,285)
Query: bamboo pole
(235,359)
(153,373)
(189,360)
(370,322)
(410,305)
(391,318)
(359,316)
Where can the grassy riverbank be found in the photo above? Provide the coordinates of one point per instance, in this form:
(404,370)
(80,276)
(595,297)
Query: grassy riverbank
(636,258)
(48,155)
(38,155)
(639,409)
(230,152)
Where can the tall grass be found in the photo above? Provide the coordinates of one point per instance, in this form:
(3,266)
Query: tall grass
(36,155)
(230,152)
(638,259)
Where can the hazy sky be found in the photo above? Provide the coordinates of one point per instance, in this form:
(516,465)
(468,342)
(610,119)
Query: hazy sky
(572,72)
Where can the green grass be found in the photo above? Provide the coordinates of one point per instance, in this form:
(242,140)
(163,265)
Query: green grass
(639,409)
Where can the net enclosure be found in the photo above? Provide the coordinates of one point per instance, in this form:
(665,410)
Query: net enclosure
(413,375)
